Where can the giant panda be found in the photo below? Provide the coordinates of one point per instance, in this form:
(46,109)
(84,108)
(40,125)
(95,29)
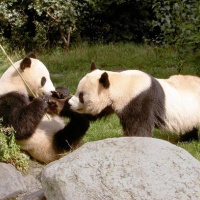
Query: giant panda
(141,101)
(44,137)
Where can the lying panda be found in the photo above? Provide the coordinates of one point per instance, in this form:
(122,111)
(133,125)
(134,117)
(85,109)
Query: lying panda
(44,138)
(141,101)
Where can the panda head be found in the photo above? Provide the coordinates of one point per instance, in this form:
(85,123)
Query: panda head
(35,74)
(92,94)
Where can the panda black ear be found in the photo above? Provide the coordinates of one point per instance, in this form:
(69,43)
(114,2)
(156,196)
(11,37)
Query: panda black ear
(104,80)
(93,66)
(26,62)
(31,55)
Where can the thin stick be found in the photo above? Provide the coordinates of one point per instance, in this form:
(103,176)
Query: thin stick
(20,75)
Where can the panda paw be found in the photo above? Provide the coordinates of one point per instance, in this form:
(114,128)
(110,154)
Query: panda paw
(55,105)
(60,93)
(39,102)
(52,107)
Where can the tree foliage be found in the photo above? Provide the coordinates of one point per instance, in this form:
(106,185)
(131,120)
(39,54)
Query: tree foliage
(178,23)
(59,15)
(44,23)
(12,20)
(36,22)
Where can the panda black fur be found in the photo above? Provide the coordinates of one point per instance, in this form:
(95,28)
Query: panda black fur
(44,138)
(141,101)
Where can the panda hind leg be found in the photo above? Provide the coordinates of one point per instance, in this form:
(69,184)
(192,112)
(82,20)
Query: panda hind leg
(192,135)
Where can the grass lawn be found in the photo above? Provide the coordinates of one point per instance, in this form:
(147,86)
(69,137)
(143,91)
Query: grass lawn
(67,69)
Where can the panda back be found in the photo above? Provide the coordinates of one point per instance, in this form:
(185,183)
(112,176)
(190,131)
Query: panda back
(182,102)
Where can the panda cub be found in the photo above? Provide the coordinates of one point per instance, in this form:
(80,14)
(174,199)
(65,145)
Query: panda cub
(44,138)
(141,101)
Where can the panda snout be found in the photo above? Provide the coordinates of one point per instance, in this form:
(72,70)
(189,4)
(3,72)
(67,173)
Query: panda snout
(70,102)
(74,103)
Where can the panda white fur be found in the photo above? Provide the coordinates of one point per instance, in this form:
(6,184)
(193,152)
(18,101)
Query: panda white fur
(141,101)
(45,139)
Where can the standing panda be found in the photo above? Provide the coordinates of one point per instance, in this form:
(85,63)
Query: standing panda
(141,101)
(44,138)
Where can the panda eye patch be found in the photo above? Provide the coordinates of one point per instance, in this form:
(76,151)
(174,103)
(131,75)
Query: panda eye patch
(43,81)
(81,97)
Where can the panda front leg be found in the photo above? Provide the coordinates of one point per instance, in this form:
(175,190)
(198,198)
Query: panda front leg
(29,117)
(69,137)
(137,117)
(137,126)
(22,115)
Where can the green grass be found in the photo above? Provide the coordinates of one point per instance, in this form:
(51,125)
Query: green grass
(104,128)
(192,147)
(67,68)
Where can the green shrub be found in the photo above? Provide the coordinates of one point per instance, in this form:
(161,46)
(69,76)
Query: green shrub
(10,151)
(177,23)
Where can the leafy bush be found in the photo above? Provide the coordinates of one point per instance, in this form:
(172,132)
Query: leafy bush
(177,23)
(10,151)
(38,24)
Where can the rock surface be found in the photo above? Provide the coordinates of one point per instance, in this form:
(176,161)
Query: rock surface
(21,186)
(33,183)
(11,183)
(124,168)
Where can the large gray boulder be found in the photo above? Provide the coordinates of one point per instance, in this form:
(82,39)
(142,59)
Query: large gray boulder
(12,183)
(128,168)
